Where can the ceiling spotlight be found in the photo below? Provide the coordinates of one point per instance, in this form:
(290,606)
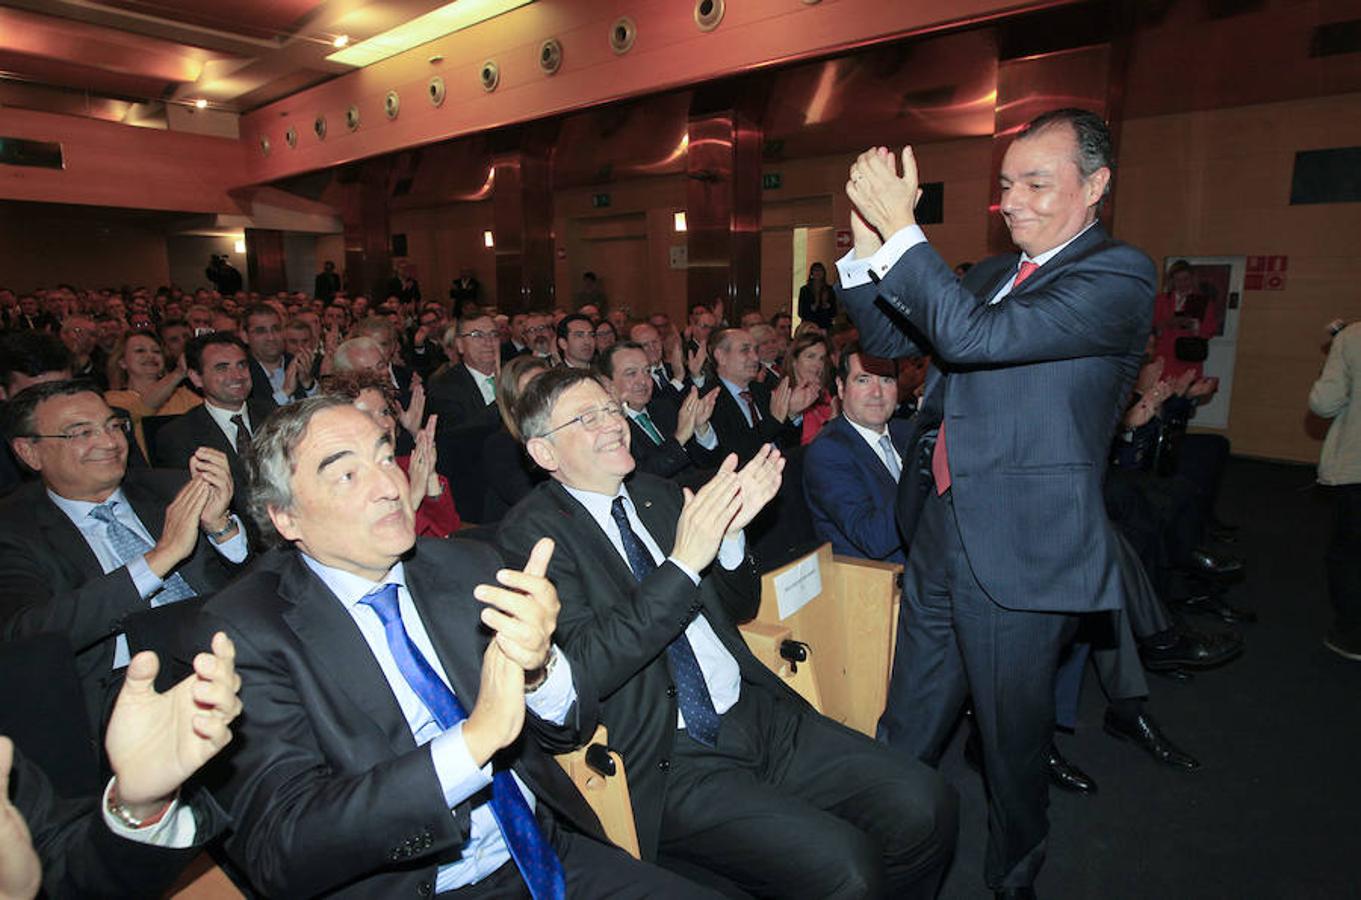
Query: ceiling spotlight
(342,40)
(200,103)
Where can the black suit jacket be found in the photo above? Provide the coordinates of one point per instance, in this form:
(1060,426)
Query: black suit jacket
(620,628)
(327,789)
(453,395)
(736,436)
(669,459)
(53,582)
(177,441)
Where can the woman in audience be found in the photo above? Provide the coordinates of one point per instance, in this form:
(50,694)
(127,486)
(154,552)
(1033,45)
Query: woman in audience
(605,336)
(430,494)
(139,383)
(509,473)
(808,362)
(817,298)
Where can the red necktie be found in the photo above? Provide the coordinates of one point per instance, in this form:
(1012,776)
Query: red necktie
(751,407)
(940,460)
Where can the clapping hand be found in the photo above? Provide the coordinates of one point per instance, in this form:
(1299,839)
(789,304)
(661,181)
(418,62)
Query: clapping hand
(802,397)
(758,483)
(415,411)
(695,359)
(156,741)
(211,466)
(21,873)
(706,517)
(885,198)
(424,479)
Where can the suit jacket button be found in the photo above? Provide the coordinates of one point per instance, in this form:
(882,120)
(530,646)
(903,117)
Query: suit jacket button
(425,888)
(671,691)
(664,765)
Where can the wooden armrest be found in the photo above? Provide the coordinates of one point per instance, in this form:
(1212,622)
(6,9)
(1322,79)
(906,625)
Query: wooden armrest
(607,794)
(764,641)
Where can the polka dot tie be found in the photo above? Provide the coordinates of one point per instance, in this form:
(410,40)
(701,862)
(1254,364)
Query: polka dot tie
(538,864)
(692,694)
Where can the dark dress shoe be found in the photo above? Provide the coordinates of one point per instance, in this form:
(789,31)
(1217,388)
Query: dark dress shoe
(1025,893)
(1067,776)
(1212,604)
(1204,562)
(1186,648)
(1145,733)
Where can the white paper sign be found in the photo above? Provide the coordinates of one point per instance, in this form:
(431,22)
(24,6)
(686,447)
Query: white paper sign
(795,586)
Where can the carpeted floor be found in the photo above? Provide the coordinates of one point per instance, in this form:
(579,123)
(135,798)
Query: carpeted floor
(1275,810)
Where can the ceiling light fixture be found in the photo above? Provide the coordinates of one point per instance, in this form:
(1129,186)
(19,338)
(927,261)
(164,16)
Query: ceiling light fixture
(421,30)
(200,103)
(341,41)
(678,221)
(488,240)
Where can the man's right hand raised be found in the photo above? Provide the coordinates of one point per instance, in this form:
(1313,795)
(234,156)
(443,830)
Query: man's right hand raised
(499,713)
(706,517)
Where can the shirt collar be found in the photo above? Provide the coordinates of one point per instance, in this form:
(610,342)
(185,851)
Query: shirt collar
(733,388)
(78,511)
(597,504)
(349,588)
(1055,251)
(871,436)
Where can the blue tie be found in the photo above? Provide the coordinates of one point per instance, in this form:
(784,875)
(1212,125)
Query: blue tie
(538,864)
(890,460)
(692,694)
(128,545)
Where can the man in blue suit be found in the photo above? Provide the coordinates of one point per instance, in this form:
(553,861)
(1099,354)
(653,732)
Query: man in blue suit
(1034,356)
(850,471)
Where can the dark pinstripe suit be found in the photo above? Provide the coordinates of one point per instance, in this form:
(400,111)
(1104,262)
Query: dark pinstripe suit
(1031,389)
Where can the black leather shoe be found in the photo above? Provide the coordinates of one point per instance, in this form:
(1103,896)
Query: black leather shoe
(1145,733)
(1212,604)
(1025,893)
(1067,776)
(1204,562)
(1186,648)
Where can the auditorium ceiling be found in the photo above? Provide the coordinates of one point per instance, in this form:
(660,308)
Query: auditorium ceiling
(125,60)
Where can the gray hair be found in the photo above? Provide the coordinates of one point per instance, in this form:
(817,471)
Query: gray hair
(534,409)
(270,462)
(1090,133)
(345,351)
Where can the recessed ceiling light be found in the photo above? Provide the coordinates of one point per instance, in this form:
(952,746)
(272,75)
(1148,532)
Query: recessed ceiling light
(200,103)
(421,30)
(342,40)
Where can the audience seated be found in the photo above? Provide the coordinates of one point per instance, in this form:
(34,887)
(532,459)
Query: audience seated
(730,771)
(507,471)
(93,542)
(399,730)
(666,438)
(747,414)
(464,394)
(809,363)
(139,383)
(276,374)
(576,340)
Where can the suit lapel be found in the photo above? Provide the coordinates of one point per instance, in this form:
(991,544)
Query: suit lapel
(336,646)
(869,458)
(456,647)
(149,508)
(63,536)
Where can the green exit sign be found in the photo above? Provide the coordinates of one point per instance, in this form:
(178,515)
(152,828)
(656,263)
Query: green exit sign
(600,201)
(772,181)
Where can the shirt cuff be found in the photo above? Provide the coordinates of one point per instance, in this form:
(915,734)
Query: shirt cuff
(853,272)
(708,439)
(235,548)
(553,699)
(177,829)
(902,241)
(733,551)
(146,581)
(281,399)
(459,774)
(689,572)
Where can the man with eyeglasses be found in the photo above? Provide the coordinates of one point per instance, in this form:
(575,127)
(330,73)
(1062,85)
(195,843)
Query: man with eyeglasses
(730,771)
(576,341)
(93,542)
(465,394)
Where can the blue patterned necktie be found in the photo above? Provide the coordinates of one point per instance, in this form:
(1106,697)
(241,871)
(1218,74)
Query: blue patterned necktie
(890,461)
(538,864)
(128,545)
(692,694)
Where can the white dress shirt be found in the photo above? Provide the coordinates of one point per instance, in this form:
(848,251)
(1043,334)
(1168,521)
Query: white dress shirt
(485,383)
(223,418)
(147,582)
(721,674)
(874,439)
(459,775)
